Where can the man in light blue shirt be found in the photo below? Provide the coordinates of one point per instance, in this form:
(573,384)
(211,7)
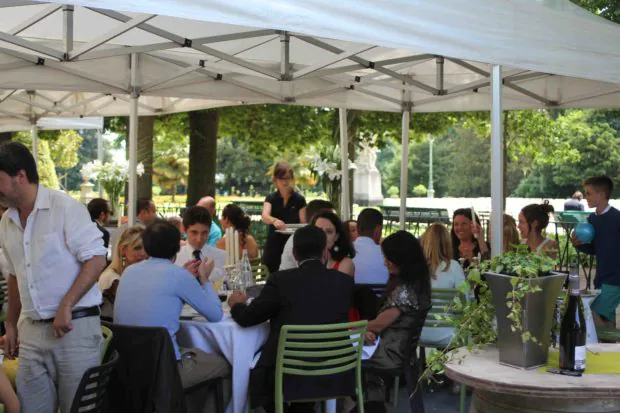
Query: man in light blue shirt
(152,294)
(369,263)
(215,232)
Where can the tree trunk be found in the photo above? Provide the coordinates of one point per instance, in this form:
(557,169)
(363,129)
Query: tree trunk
(145,155)
(203,127)
(5,137)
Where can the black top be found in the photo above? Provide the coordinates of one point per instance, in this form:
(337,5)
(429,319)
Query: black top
(105,235)
(573,205)
(288,213)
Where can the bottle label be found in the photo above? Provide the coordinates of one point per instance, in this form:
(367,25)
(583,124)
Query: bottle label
(580,358)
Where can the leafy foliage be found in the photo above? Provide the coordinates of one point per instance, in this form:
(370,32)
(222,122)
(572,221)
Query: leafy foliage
(45,164)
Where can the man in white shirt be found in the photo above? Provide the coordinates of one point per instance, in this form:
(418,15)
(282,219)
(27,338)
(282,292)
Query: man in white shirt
(197,222)
(369,263)
(55,255)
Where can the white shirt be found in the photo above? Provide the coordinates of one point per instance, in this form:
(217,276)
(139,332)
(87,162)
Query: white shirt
(216,254)
(47,255)
(287,261)
(369,264)
(451,277)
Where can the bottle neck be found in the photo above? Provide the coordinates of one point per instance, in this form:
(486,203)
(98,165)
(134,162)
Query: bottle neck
(573,285)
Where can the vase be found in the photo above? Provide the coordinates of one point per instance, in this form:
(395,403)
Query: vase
(536,318)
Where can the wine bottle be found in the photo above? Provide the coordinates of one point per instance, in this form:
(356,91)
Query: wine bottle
(573,327)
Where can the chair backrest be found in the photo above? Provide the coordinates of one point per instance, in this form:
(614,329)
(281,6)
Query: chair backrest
(260,273)
(319,350)
(107,337)
(4,290)
(378,289)
(444,307)
(92,392)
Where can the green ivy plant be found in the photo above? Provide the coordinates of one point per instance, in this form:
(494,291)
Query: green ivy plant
(474,319)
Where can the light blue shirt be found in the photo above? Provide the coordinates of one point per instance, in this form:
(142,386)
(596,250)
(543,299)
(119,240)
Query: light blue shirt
(369,265)
(151,293)
(215,233)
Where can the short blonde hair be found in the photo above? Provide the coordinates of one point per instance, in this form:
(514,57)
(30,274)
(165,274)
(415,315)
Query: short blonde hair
(511,234)
(437,247)
(129,238)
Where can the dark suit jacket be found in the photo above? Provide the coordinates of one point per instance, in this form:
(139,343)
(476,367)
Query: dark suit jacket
(106,235)
(310,294)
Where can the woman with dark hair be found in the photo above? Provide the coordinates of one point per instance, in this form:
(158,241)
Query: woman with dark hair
(339,244)
(284,206)
(467,237)
(234,217)
(533,220)
(402,311)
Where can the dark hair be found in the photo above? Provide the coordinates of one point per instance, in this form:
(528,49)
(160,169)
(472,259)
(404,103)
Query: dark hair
(235,215)
(343,246)
(601,183)
(368,220)
(404,250)
(196,215)
(161,239)
(96,207)
(456,242)
(281,170)
(143,204)
(317,205)
(309,242)
(14,157)
(538,213)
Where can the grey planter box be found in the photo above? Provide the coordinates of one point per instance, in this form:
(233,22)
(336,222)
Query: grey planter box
(537,318)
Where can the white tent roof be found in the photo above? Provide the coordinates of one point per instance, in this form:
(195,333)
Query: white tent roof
(10,124)
(285,51)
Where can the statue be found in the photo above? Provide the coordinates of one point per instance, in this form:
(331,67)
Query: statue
(366,178)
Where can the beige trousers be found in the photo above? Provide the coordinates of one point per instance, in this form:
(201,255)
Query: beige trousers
(50,368)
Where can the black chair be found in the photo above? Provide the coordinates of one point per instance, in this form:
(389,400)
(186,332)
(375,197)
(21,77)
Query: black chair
(410,369)
(92,392)
(378,289)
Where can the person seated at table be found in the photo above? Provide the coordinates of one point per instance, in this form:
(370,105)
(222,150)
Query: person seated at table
(403,309)
(533,220)
(368,260)
(468,238)
(234,217)
(128,250)
(197,223)
(310,294)
(314,207)
(152,294)
(339,247)
(100,213)
(574,204)
(178,223)
(351,227)
(215,232)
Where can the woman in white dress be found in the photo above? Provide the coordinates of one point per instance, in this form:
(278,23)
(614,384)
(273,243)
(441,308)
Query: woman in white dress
(127,251)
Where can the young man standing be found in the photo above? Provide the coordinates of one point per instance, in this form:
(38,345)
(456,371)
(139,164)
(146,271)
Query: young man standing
(197,222)
(606,247)
(55,255)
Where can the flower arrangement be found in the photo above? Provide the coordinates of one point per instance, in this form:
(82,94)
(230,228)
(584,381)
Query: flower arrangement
(112,177)
(324,163)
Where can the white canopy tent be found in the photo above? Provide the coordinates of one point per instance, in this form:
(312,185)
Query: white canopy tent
(401,55)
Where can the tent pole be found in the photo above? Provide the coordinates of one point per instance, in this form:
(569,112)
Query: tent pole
(497,163)
(133,142)
(345,210)
(35,140)
(100,156)
(404,168)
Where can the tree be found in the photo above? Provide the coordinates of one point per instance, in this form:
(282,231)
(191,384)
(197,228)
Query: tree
(64,152)
(237,167)
(170,171)
(203,132)
(609,9)
(45,165)
(145,156)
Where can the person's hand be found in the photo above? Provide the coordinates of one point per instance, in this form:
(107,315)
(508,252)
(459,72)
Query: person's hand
(11,342)
(237,297)
(192,267)
(477,231)
(370,339)
(575,240)
(280,225)
(205,268)
(63,321)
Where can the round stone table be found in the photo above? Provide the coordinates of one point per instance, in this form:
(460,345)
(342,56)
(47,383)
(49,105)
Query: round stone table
(504,389)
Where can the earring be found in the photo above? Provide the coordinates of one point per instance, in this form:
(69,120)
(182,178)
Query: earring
(123,262)
(336,248)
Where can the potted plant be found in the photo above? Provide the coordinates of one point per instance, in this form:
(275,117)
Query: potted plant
(515,298)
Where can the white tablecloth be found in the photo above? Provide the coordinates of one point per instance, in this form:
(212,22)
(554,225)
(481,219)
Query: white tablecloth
(238,345)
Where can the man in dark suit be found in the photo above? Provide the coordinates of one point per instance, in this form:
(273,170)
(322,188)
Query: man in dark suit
(310,294)
(100,212)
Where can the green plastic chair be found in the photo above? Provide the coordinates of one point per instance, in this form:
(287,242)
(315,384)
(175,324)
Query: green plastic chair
(320,350)
(442,300)
(260,273)
(107,338)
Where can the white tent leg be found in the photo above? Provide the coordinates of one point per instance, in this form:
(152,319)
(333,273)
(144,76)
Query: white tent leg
(133,143)
(497,163)
(100,156)
(404,169)
(35,140)
(345,209)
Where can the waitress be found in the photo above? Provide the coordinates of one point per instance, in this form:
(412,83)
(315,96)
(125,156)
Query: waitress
(285,206)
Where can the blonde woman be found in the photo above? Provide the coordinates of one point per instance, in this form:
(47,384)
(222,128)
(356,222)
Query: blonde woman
(128,250)
(511,233)
(445,271)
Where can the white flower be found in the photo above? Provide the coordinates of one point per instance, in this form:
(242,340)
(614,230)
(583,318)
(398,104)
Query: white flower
(140,169)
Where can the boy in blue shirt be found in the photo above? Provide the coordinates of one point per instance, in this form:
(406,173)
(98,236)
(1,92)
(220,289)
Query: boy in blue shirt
(606,247)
